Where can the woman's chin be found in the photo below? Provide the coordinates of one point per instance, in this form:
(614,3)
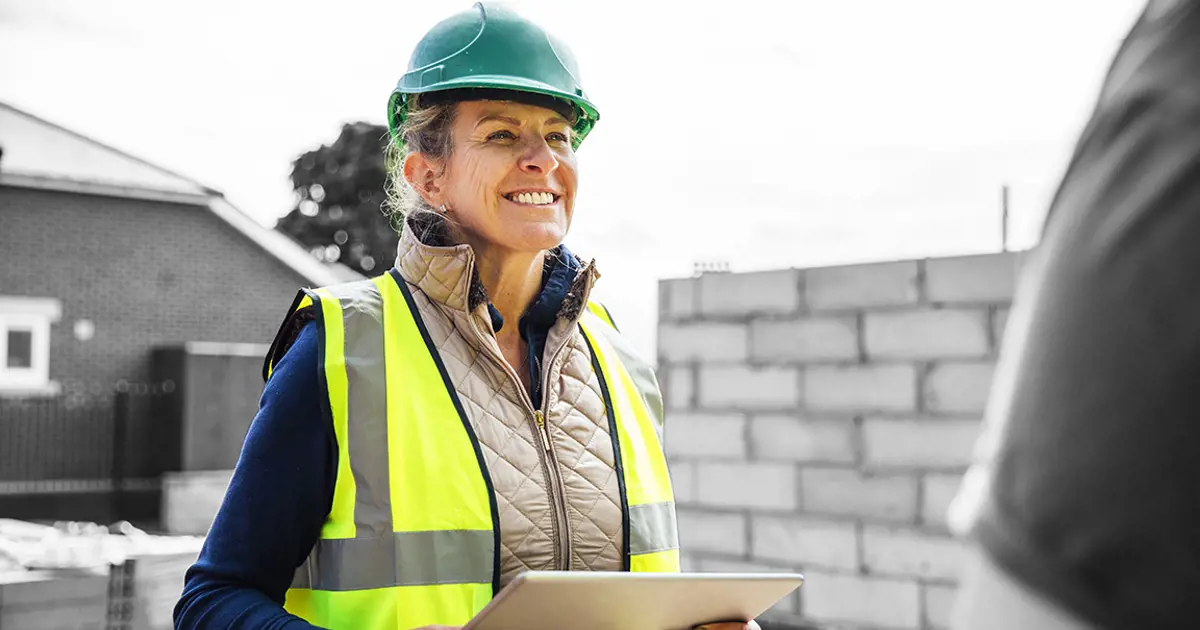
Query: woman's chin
(534,237)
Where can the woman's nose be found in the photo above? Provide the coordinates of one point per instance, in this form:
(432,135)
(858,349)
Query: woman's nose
(539,158)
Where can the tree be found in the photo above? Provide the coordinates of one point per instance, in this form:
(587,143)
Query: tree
(339,212)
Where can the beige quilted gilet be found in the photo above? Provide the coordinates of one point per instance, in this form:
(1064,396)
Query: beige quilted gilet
(559,508)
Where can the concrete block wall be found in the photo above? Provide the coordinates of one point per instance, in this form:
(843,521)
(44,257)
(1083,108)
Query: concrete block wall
(821,419)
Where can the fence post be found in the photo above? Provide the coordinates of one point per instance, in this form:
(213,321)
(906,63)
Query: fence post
(120,426)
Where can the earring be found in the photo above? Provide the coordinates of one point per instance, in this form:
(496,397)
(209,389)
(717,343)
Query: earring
(444,210)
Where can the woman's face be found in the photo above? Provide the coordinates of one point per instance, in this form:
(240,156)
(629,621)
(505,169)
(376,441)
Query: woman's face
(511,177)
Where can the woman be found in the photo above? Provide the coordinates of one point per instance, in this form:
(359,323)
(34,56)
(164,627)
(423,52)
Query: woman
(427,435)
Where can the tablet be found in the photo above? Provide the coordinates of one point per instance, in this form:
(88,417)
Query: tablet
(598,600)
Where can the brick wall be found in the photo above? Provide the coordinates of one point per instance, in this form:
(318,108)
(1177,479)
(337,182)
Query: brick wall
(146,273)
(820,420)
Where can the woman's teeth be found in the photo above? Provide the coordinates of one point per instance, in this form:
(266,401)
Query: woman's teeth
(533,198)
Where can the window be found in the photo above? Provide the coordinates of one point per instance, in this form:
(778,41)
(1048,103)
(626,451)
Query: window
(25,344)
(20,348)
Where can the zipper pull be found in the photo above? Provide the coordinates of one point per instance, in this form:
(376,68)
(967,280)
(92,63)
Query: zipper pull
(540,418)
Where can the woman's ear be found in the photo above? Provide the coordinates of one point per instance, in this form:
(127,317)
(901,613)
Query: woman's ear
(424,175)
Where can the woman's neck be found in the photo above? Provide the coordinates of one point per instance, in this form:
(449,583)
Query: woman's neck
(512,280)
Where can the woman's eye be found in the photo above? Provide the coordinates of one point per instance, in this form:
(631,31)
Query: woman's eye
(502,135)
(558,137)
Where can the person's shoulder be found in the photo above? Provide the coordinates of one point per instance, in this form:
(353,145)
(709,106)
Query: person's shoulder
(300,315)
(301,346)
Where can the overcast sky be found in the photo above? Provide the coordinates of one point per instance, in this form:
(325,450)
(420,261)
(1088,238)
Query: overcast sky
(763,133)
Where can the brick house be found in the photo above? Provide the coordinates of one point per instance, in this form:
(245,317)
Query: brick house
(105,260)
(105,257)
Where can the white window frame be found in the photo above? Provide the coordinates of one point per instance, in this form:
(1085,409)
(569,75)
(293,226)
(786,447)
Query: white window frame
(35,315)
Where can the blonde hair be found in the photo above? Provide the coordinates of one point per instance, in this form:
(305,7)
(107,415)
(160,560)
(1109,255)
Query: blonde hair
(426,129)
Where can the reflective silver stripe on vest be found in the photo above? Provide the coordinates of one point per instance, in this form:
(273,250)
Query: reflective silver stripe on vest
(366,400)
(402,559)
(640,372)
(652,528)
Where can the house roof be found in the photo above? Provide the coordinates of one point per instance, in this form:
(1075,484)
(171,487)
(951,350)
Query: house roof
(41,154)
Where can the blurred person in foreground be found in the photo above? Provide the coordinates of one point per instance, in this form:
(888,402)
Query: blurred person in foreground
(1085,511)
(427,435)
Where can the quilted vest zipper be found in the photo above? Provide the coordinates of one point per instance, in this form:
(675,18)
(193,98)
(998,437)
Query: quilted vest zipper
(540,418)
(560,494)
(559,498)
(547,458)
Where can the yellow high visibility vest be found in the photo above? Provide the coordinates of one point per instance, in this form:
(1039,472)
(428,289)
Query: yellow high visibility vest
(413,535)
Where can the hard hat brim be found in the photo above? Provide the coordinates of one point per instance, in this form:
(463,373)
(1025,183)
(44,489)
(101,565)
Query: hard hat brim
(587,114)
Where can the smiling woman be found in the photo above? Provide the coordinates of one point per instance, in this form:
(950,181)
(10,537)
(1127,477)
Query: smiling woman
(502,170)
(423,450)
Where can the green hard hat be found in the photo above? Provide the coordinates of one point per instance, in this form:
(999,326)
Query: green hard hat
(490,48)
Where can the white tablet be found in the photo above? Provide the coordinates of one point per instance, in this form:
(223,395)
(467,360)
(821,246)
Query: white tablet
(589,600)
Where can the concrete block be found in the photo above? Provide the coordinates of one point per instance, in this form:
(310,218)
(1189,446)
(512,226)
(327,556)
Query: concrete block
(703,341)
(910,553)
(683,481)
(938,491)
(70,615)
(154,583)
(982,278)
(742,294)
(679,297)
(757,485)
(809,542)
(50,600)
(936,443)
(701,531)
(861,388)
(958,387)
(44,589)
(806,339)
(190,500)
(862,286)
(680,390)
(842,491)
(744,387)
(791,438)
(707,435)
(927,334)
(864,600)
(727,565)
(939,605)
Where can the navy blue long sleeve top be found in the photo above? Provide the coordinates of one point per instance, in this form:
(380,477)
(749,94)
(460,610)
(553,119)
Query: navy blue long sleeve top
(282,487)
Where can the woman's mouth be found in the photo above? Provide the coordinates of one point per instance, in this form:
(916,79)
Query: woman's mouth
(533,198)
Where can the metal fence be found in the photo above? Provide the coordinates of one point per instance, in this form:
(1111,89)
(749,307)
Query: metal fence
(96,437)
